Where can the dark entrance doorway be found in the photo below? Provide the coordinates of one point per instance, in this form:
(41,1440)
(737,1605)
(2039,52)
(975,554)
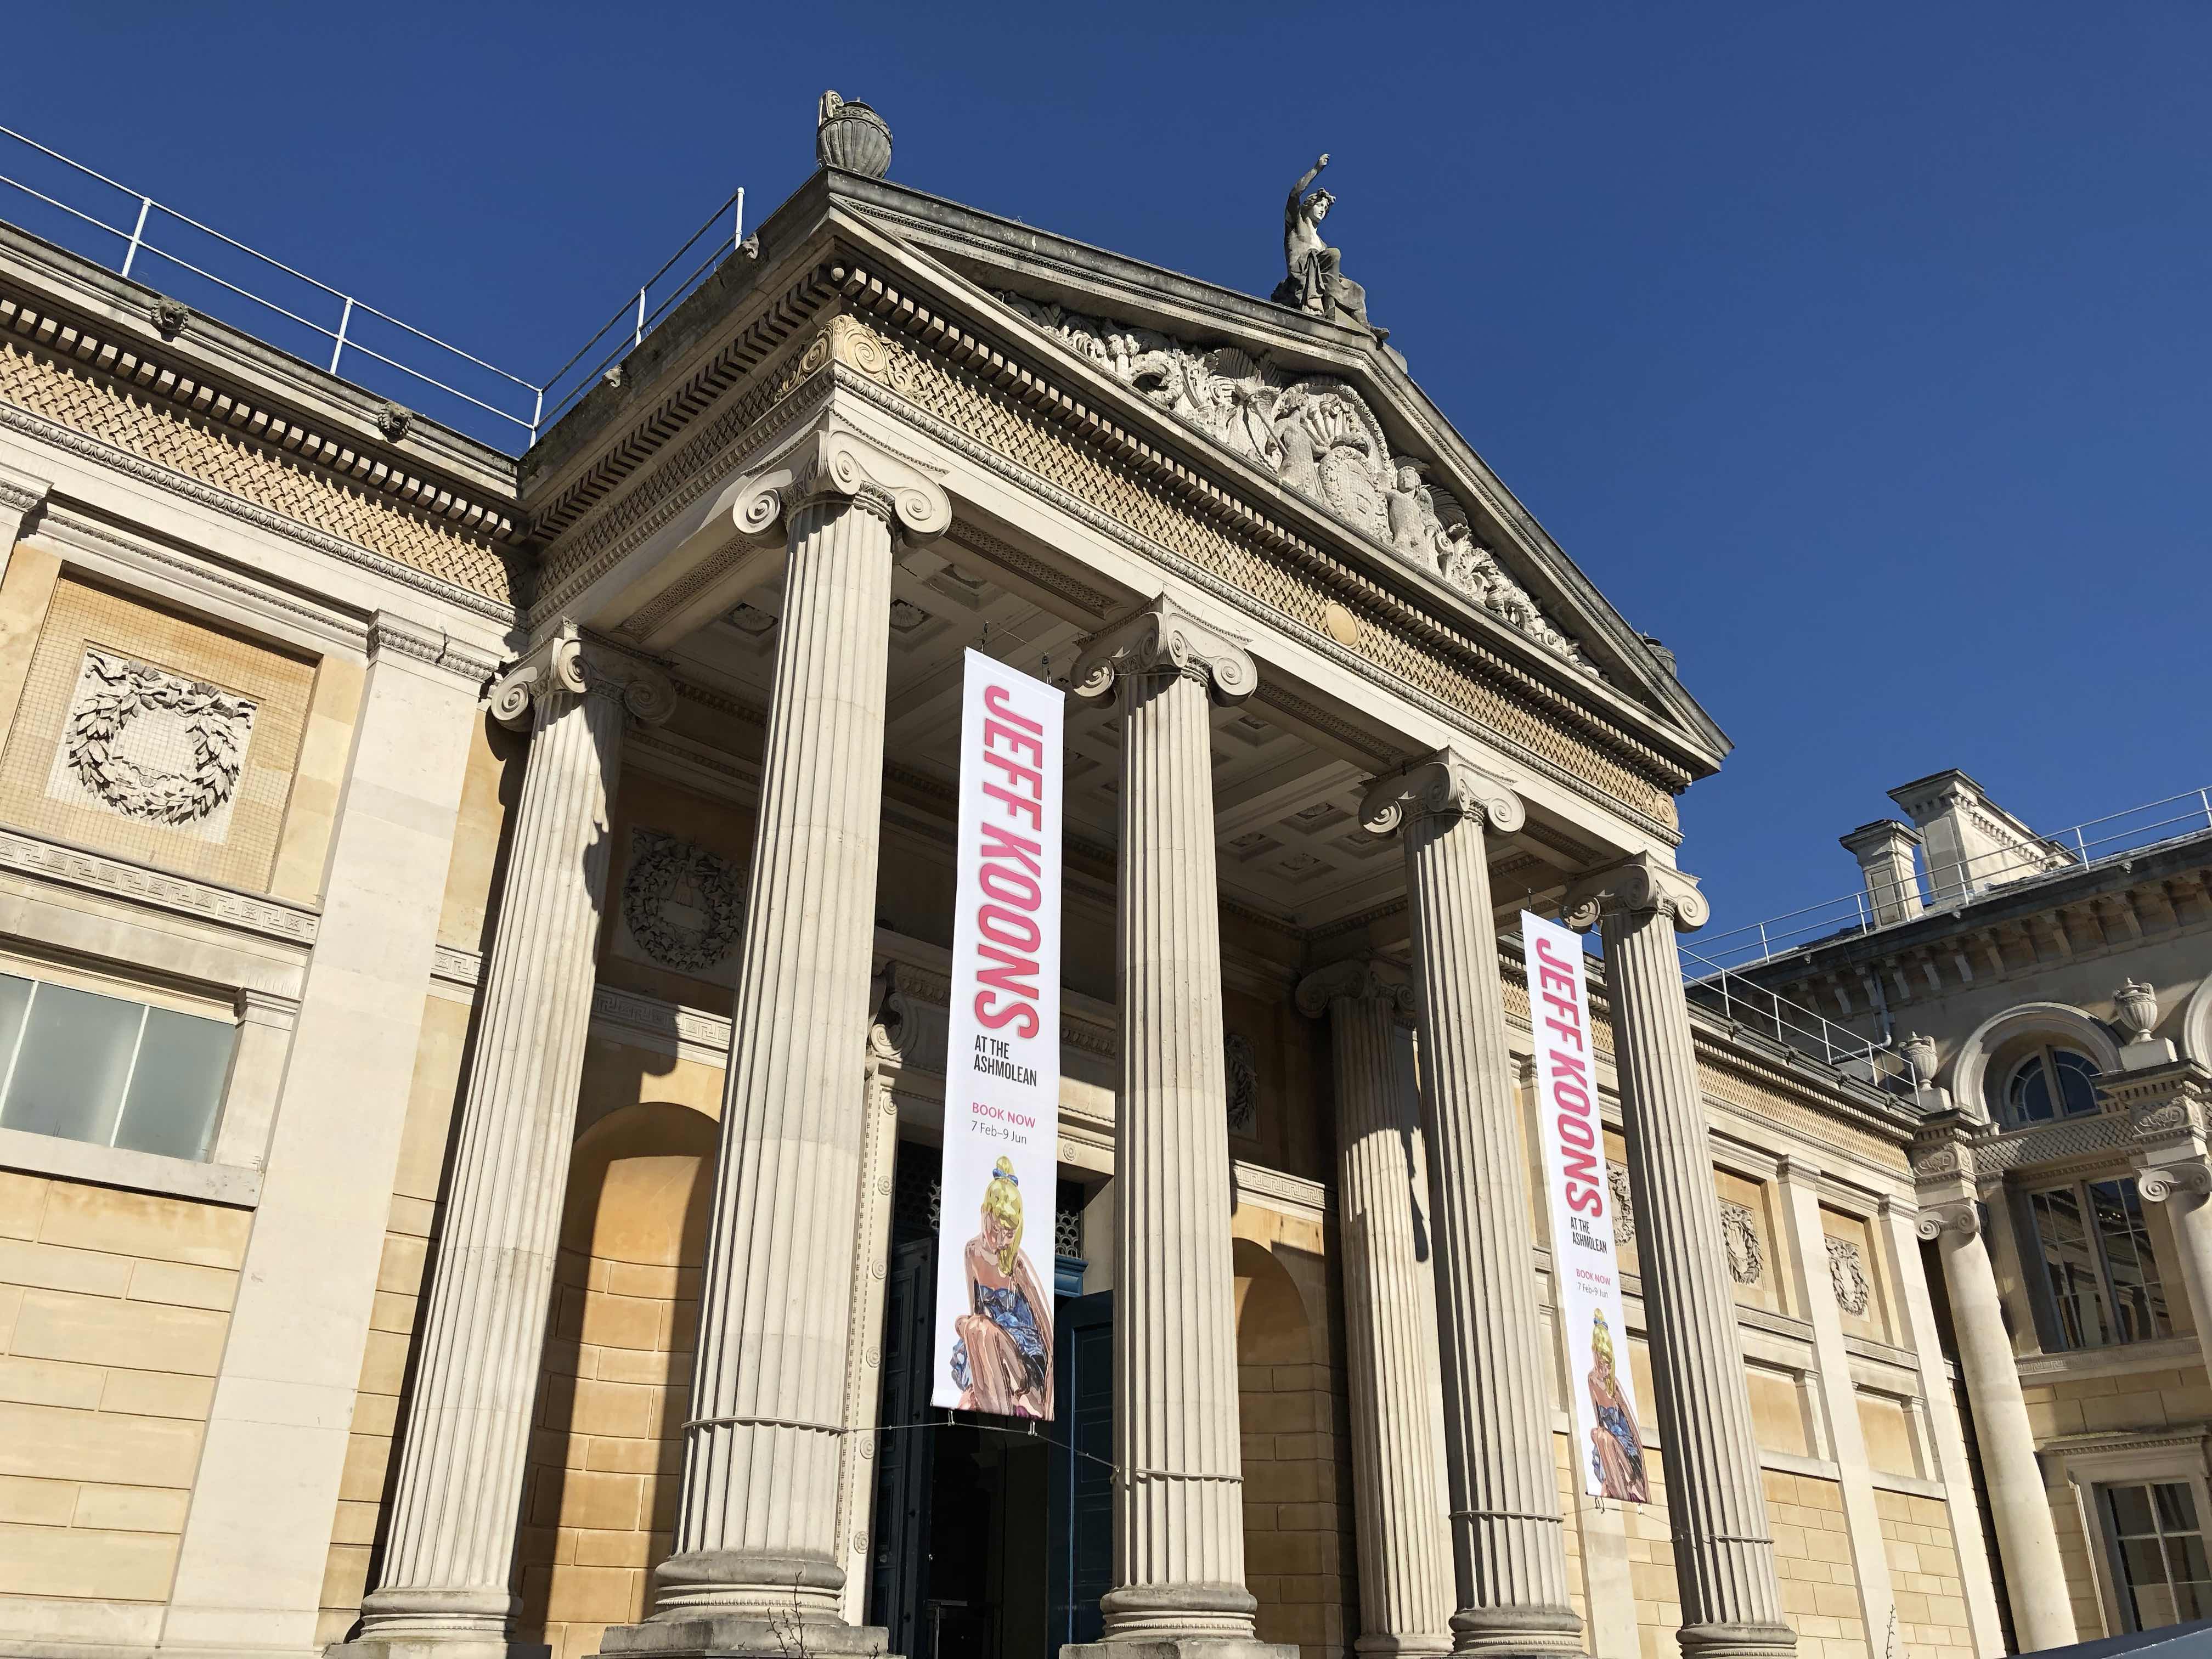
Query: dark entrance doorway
(991,1542)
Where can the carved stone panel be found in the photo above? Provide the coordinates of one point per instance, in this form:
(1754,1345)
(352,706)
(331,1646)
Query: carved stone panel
(1624,1205)
(144,742)
(1243,1104)
(682,907)
(1746,1252)
(1847,1274)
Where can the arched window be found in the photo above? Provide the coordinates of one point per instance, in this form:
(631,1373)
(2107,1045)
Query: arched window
(2048,1082)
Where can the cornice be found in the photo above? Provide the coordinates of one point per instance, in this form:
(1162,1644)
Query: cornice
(150,374)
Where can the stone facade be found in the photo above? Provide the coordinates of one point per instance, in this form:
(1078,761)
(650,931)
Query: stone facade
(2056,1017)
(534,1281)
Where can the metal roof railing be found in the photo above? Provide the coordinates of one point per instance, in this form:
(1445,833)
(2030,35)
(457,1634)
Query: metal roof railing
(327,326)
(2120,835)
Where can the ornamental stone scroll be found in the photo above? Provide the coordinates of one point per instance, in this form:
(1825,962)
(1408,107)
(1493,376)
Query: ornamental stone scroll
(1637,886)
(1447,784)
(1357,979)
(569,660)
(1164,640)
(833,462)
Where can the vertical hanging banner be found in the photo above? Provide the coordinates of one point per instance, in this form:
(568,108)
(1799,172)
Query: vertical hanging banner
(993,1348)
(1585,1269)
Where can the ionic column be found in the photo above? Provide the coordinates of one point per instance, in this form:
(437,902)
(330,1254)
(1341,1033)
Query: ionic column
(1509,1542)
(2171,1106)
(1723,1552)
(2035,1576)
(1178,1508)
(756,1569)
(1389,1304)
(454,1510)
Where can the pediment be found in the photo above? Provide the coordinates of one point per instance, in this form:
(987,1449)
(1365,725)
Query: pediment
(1316,435)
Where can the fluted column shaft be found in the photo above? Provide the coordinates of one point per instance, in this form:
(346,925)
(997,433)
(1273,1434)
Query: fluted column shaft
(1405,1591)
(2027,1543)
(1723,1552)
(1509,1542)
(756,1528)
(458,1500)
(1178,1496)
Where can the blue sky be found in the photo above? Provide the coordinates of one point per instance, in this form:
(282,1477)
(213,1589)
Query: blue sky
(1861,353)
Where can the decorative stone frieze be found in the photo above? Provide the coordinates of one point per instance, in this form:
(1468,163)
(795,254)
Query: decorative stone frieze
(1319,436)
(1847,1275)
(1623,1204)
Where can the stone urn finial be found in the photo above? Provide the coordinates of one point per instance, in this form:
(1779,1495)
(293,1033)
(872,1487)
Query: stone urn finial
(852,137)
(2136,1004)
(1919,1052)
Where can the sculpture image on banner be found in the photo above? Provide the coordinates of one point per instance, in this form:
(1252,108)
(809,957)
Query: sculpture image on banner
(1002,1357)
(994,1327)
(1580,1195)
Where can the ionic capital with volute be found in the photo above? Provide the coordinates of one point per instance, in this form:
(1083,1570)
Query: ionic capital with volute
(1357,980)
(569,660)
(1164,640)
(1636,886)
(2170,1113)
(833,462)
(1447,784)
(1959,1215)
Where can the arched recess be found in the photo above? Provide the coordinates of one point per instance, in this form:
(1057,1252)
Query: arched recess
(1298,1548)
(1997,1040)
(2197,1023)
(607,1446)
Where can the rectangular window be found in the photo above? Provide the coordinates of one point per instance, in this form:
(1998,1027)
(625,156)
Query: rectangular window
(2100,1279)
(2158,1552)
(104,1069)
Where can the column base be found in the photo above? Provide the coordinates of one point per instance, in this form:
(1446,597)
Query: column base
(745,1636)
(1737,1641)
(1422,1644)
(1518,1632)
(1182,1647)
(425,1647)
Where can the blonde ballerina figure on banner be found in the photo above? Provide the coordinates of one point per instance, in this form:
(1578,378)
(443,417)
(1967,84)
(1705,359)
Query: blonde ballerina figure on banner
(1616,1443)
(1002,1351)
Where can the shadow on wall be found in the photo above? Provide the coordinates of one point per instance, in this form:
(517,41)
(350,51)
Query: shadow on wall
(606,1451)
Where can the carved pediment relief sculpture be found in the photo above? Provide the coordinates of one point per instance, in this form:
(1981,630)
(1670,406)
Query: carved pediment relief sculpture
(1321,438)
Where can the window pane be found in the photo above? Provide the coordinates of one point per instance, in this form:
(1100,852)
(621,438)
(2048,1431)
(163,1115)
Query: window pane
(2176,1508)
(2078,1293)
(2031,1091)
(15,998)
(177,1089)
(2139,1297)
(2130,1510)
(2077,1087)
(75,1056)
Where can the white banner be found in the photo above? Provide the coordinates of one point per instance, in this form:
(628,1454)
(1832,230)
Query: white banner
(993,1349)
(1585,1273)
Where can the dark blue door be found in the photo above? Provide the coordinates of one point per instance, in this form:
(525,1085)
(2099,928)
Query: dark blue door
(1082,1486)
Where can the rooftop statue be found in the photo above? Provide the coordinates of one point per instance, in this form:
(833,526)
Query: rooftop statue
(1317,281)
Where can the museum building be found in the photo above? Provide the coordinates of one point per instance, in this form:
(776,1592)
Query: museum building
(475,937)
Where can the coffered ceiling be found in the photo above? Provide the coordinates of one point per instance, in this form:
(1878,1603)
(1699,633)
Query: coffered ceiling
(1286,813)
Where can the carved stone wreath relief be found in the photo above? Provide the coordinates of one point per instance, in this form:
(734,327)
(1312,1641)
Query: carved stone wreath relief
(1847,1274)
(1321,438)
(1624,1205)
(685,906)
(1243,1087)
(147,743)
(1746,1255)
